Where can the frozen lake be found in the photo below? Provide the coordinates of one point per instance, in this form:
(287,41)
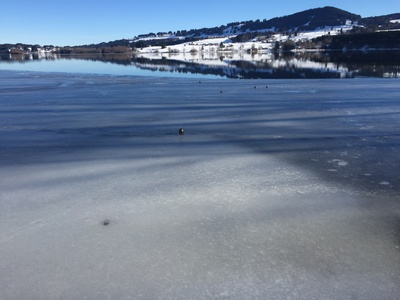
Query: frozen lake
(279,189)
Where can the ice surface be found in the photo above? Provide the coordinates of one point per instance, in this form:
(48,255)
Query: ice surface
(285,192)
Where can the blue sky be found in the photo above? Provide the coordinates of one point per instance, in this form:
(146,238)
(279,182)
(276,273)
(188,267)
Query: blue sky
(77,22)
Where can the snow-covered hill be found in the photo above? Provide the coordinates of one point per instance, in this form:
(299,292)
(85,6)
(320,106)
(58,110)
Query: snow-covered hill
(214,44)
(256,36)
(251,35)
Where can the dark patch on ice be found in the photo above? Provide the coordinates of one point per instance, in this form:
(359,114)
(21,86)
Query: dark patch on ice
(106,222)
(181,131)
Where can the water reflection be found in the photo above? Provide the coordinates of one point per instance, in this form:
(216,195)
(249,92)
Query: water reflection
(338,64)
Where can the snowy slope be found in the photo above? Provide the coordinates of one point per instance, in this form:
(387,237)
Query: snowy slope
(207,44)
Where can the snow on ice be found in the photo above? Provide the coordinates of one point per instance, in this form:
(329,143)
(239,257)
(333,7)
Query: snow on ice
(102,198)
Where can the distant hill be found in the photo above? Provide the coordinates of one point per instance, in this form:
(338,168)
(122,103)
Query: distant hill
(302,21)
(308,20)
(386,22)
(279,29)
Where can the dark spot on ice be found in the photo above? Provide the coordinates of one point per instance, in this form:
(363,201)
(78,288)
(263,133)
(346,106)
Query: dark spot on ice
(199,81)
(255,87)
(106,222)
(220,92)
(181,131)
(267,86)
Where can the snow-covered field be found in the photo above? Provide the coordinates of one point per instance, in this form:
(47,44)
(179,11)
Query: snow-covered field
(285,189)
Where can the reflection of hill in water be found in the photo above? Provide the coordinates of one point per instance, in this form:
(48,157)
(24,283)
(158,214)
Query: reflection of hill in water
(299,65)
(242,65)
